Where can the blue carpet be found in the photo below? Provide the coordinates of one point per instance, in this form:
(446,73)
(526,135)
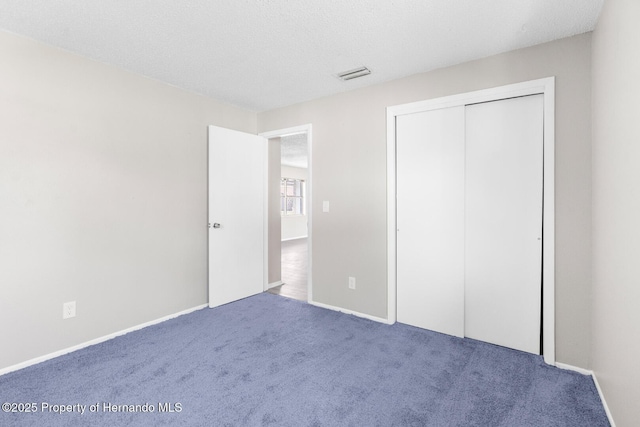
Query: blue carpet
(268,360)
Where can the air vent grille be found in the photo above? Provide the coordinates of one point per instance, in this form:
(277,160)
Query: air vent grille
(354,74)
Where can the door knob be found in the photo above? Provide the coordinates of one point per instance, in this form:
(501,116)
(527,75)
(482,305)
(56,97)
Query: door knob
(216,225)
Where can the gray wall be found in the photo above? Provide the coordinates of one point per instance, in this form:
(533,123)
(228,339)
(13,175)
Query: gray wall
(103,197)
(616,208)
(349,155)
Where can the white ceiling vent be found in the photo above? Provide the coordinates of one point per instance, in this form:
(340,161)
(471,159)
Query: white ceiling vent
(354,74)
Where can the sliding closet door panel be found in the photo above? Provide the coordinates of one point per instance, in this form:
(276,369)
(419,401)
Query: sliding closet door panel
(503,222)
(430,207)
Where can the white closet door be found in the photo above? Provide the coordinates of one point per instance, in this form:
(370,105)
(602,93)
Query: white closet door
(430,218)
(503,222)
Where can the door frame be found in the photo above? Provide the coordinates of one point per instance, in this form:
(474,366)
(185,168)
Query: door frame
(546,87)
(307,129)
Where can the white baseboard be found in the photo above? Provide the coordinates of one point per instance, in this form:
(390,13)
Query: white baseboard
(595,381)
(604,402)
(274,284)
(55,354)
(354,313)
(293,238)
(567,367)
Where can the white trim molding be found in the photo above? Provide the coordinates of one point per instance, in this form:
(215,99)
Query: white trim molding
(275,284)
(577,369)
(293,238)
(351,312)
(546,87)
(104,338)
(603,400)
(265,216)
(597,384)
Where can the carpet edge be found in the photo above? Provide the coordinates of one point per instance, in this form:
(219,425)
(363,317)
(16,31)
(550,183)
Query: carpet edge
(351,312)
(597,384)
(603,400)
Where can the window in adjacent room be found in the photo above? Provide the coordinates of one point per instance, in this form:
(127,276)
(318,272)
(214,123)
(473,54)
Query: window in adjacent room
(291,196)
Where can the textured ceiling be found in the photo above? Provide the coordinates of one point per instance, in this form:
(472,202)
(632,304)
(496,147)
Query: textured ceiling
(266,54)
(294,150)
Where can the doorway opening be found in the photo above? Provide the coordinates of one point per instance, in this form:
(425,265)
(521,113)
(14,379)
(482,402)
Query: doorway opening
(290,212)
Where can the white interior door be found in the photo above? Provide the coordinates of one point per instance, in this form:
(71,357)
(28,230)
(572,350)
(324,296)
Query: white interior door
(430,218)
(236,215)
(503,222)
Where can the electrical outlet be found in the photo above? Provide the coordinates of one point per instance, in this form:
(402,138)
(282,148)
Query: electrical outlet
(69,310)
(352,282)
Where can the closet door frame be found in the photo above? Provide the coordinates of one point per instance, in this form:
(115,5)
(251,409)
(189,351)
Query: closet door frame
(546,87)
